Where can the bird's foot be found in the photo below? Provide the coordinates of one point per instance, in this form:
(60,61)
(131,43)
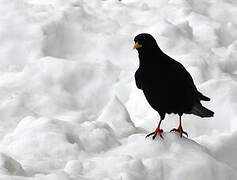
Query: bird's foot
(180,131)
(157,131)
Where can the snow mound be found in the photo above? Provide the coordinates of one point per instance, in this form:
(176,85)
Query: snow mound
(34,139)
(10,166)
(37,138)
(117,116)
(97,137)
(172,158)
(223,147)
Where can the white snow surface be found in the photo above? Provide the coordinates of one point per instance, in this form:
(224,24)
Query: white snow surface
(69,106)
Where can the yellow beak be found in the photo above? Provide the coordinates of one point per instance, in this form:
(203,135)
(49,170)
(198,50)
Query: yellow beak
(137,45)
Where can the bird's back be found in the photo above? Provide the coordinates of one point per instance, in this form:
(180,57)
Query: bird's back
(167,86)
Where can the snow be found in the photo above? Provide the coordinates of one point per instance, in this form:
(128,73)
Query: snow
(69,105)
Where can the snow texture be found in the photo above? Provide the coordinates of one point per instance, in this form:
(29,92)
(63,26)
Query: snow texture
(69,106)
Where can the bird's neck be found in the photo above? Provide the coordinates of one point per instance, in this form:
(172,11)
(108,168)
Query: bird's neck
(151,59)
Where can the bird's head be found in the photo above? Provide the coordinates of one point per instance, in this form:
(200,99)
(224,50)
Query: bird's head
(144,42)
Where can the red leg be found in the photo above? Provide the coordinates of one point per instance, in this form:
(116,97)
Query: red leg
(180,128)
(157,131)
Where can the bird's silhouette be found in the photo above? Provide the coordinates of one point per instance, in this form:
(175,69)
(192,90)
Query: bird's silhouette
(166,84)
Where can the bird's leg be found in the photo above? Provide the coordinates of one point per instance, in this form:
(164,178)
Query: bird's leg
(180,128)
(157,131)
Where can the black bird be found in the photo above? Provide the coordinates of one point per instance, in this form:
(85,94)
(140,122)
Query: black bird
(166,84)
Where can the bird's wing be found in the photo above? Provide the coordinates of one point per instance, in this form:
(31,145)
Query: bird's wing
(183,76)
(202,97)
(138,79)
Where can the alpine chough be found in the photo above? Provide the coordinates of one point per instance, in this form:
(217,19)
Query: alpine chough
(166,84)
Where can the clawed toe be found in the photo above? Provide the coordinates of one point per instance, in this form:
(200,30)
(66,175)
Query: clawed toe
(153,137)
(180,131)
(157,131)
(185,133)
(149,134)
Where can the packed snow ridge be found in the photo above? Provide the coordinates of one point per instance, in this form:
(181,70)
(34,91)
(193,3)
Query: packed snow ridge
(70,109)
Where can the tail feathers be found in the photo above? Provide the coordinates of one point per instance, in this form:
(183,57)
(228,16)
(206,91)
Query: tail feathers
(201,111)
(202,97)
